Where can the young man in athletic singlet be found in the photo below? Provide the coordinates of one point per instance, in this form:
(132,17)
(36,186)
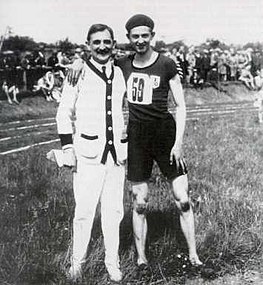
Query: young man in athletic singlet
(154,134)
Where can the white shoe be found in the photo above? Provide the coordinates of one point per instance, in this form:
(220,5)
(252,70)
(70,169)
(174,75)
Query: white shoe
(115,274)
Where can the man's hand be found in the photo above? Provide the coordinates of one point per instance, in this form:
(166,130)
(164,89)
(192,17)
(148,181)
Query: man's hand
(69,159)
(75,71)
(176,155)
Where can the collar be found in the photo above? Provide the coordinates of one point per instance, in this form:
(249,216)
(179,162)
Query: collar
(108,66)
(98,70)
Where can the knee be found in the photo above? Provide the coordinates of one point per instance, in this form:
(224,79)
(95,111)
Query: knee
(83,215)
(140,200)
(140,208)
(140,204)
(185,206)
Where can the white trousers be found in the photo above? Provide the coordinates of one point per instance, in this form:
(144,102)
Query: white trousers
(92,183)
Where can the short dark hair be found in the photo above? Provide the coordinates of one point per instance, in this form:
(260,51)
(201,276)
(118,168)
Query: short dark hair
(99,28)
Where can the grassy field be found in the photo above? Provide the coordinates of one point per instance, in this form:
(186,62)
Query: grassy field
(224,156)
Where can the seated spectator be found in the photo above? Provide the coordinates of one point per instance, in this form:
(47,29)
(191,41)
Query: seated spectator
(12,78)
(10,92)
(50,85)
(245,69)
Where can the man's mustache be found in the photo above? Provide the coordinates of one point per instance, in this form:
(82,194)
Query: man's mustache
(103,51)
(141,45)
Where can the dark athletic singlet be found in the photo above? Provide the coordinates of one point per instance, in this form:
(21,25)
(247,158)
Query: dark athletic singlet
(148,87)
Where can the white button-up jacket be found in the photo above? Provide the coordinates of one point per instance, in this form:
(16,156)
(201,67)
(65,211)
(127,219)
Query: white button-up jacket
(82,113)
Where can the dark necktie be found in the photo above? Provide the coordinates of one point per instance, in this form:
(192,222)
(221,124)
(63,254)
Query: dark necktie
(104,71)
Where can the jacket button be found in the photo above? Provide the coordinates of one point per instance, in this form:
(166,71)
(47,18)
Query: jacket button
(109,112)
(110,142)
(108,97)
(110,128)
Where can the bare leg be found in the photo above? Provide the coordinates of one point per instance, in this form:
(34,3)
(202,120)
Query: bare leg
(45,93)
(15,92)
(140,191)
(5,89)
(180,190)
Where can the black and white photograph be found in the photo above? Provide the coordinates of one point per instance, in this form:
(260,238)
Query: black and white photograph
(131,142)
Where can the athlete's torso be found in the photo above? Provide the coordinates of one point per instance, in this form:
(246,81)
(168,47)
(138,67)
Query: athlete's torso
(148,87)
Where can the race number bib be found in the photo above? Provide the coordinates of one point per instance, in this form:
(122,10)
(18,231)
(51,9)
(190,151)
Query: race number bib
(139,89)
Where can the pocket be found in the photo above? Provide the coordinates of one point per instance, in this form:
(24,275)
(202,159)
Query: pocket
(87,137)
(87,145)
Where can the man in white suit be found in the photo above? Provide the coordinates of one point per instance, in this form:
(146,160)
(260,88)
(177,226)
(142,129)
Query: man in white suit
(91,128)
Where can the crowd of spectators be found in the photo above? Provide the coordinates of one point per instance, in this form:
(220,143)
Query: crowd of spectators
(34,71)
(39,70)
(215,66)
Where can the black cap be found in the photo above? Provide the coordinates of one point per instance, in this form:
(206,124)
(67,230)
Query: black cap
(139,20)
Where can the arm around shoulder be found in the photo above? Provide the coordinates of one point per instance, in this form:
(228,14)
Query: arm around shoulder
(74,71)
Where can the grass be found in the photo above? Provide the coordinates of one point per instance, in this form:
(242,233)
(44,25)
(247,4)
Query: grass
(224,156)
(31,107)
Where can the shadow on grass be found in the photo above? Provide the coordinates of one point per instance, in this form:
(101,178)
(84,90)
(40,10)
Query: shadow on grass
(160,224)
(166,251)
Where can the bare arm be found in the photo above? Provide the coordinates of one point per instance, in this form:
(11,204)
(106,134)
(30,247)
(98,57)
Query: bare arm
(179,117)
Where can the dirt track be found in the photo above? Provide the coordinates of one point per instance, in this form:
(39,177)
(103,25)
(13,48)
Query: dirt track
(21,135)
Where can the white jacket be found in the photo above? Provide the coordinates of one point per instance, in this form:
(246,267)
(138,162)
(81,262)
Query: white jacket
(82,112)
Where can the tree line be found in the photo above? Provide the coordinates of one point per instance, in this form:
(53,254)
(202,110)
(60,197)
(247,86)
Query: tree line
(24,43)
